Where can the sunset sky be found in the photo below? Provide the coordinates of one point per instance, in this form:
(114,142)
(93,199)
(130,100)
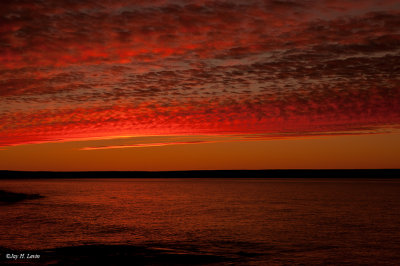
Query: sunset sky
(179,84)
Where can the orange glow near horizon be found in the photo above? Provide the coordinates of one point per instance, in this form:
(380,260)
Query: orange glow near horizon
(324,152)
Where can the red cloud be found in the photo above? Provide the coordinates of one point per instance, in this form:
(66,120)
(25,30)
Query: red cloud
(94,69)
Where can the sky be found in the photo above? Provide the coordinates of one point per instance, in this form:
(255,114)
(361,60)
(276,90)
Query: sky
(185,85)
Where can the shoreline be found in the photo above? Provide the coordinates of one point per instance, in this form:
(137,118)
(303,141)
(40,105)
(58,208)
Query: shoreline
(112,255)
(8,197)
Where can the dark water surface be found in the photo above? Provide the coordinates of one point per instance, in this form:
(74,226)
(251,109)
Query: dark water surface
(233,221)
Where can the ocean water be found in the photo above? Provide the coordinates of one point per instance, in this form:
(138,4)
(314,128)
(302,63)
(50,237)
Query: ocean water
(245,221)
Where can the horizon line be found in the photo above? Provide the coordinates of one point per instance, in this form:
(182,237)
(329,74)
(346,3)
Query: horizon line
(202,170)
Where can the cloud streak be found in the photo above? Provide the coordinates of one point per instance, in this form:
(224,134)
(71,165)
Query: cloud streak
(167,140)
(144,145)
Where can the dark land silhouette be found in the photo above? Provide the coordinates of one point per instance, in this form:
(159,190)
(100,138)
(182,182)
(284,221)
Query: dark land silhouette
(8,197)
(295,173)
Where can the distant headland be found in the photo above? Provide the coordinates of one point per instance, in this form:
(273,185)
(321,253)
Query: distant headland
(277,173)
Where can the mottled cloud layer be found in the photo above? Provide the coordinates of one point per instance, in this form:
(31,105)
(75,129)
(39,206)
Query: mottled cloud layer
(83,69)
